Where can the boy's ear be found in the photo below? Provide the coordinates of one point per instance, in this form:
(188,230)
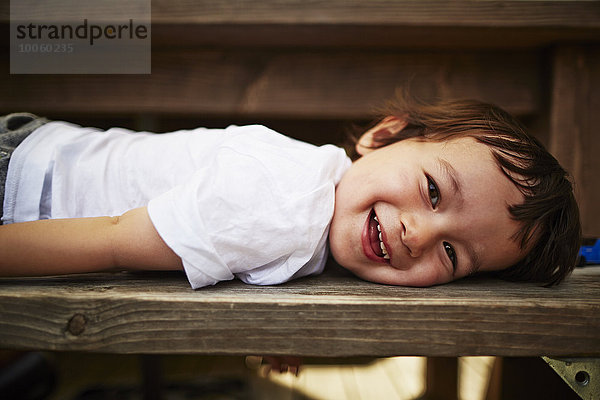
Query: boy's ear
(375,137)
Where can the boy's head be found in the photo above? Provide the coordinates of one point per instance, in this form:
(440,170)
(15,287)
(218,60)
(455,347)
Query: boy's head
(453,188)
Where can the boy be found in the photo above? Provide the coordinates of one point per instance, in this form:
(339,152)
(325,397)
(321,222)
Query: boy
(440,192)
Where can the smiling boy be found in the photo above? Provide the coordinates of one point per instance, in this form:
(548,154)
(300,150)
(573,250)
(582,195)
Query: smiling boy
(436,223)
(448,190)
(439,192)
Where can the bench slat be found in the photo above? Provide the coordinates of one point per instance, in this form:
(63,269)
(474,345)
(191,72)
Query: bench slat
(331,315)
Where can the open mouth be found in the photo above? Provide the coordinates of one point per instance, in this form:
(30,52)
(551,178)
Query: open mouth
(375,237)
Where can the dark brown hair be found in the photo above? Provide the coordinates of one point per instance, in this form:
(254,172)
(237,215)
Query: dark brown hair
(550,226)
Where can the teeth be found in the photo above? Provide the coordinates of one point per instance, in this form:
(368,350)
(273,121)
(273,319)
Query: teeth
(381,245)
(383,249)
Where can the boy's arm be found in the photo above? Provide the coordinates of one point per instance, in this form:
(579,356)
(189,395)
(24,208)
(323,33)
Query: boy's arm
(65,246)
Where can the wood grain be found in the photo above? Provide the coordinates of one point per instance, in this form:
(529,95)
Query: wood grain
(282,83)
(574,122)
(382,12)
(350,23)
(331,315)
(555,14)
(399,37)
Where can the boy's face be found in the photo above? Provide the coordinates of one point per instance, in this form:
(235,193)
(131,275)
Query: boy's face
(441,208)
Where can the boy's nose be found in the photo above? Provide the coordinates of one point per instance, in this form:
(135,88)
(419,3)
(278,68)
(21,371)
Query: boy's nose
(418,237)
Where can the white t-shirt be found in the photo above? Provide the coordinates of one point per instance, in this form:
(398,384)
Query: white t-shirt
(241,201)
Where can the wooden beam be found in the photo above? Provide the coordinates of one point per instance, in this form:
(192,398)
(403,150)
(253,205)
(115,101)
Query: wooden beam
(574,137)
(554,14)
(367,36)
(282,83)
(331,315)
(354,23)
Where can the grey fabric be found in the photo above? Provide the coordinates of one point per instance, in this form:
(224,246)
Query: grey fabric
(14,128)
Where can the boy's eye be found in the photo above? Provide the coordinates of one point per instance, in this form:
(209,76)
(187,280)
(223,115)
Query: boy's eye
(434,193)
(451,254)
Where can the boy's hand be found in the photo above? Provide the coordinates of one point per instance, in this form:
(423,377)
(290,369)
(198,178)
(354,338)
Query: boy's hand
(279,364)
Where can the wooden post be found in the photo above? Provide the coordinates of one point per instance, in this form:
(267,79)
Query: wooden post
(574,124)
(442,378)
(152,379)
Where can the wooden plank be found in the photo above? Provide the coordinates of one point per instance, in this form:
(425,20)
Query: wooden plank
(355,23)
(555,14)
(331,315)
(366,36)
(574,125)
(283,83)
(382,12)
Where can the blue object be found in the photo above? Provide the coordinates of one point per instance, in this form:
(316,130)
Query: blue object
(589,253)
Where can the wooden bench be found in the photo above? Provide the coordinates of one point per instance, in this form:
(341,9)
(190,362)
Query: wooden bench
(333,315)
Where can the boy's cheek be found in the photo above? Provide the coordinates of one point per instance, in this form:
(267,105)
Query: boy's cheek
(339,253)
